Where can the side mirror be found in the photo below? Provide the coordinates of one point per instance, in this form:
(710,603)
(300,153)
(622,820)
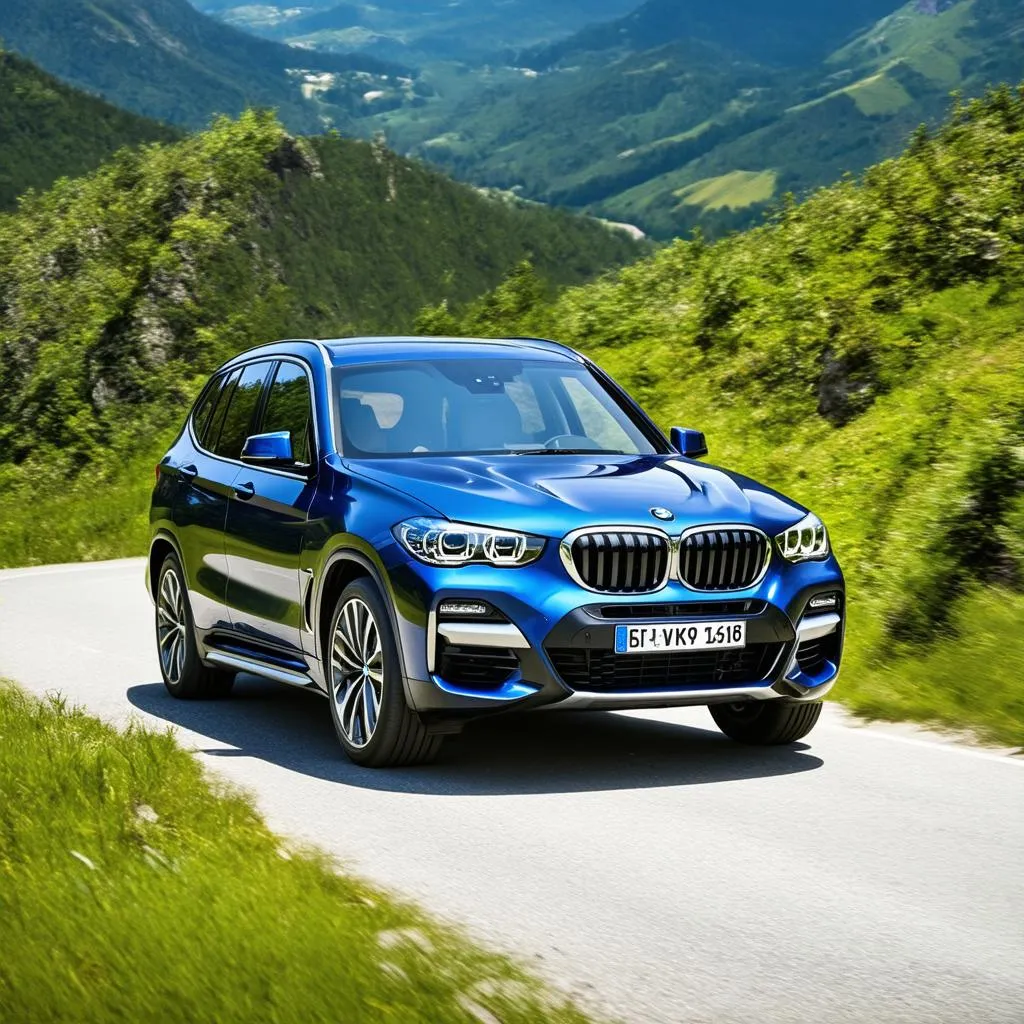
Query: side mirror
(269,450)
(690,443)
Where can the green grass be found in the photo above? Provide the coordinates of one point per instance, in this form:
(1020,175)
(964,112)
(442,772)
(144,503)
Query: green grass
(915,37)
(734,191)
(133,888)
(975,670)
(879,95)
(103,513)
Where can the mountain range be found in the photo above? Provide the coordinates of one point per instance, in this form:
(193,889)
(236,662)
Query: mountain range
(415,31)
(165,60)
(670,115)
(684,114)
(783,32)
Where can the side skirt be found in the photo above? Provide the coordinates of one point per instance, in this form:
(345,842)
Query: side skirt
(239,663)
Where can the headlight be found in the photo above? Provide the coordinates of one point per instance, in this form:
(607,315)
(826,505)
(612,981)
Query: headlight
(440,542)
(805,542)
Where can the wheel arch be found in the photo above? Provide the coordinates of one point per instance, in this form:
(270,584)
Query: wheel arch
(162,545)
(343,567)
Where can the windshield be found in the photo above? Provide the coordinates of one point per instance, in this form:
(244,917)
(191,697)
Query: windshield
(482,406)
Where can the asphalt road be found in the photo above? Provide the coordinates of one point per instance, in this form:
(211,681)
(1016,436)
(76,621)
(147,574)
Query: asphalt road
(640,861)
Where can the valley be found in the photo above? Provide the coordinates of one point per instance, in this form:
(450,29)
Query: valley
(613,122)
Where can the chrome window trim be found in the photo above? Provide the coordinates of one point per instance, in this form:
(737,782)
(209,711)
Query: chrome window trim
(565,552)
(263,358)
(724,528)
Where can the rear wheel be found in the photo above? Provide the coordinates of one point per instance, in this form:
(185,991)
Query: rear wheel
(374,723)
(184,673)
(766,723)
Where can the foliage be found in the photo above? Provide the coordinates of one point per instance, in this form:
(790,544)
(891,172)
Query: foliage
(121,291)
(48,130)
(131,888)
(864,353)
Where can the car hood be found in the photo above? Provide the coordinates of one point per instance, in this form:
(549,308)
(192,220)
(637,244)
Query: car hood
(554,494)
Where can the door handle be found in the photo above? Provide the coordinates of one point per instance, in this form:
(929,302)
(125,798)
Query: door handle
(244,491)
(188,473)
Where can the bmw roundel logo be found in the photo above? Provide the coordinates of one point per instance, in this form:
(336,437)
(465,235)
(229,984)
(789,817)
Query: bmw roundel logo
(663,514)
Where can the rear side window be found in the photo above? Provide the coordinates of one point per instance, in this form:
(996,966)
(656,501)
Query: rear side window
(241,407)
(220,410)
(288,408)
(202,415)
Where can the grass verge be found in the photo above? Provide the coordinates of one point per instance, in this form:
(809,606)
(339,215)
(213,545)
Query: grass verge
(131,888)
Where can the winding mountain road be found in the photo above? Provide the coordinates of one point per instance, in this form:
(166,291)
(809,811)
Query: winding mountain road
(640,861)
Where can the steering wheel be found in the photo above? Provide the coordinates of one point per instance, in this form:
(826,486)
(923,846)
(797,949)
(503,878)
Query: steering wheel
(571,441)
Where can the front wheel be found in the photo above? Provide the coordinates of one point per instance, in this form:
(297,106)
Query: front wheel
(375,725)
(768,723)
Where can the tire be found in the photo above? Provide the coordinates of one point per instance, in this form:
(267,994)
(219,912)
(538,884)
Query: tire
(375,725)
(769,723)
(184,673)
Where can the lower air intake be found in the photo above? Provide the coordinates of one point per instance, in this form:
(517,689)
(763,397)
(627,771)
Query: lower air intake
(604,670)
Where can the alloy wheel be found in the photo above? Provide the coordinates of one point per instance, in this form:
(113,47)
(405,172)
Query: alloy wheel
(171,626)
(357,672)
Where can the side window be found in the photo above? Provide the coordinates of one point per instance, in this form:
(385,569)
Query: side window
(288,408)
(202,414)
(240,410)
(212,432)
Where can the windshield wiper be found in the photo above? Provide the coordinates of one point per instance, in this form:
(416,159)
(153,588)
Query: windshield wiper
(565,451)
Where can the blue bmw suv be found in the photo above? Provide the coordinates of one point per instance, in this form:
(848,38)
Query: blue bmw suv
(428,531)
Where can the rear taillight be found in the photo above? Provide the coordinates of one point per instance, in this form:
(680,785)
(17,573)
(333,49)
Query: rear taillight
(158,472)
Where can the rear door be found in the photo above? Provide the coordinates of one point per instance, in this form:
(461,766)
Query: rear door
(266,521)
(201,505)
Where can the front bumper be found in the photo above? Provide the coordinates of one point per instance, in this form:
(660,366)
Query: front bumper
(551,643)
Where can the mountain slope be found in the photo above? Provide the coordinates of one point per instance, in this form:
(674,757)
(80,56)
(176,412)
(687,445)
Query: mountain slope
(781,32)
(48,130)
(120,291)
(165,60)
(868,99)
(865,353)
(688,134)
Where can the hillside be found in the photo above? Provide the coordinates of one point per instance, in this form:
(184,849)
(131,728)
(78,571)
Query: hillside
(708,129)
(48,130)
(783,32)
(119,292)
(864,353)
(166,60)
(414,31)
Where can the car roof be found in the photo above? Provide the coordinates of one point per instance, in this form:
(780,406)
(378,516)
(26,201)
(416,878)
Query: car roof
(359,350)
(348,351)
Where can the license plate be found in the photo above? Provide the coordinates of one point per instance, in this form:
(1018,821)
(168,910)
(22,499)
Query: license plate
(688,636)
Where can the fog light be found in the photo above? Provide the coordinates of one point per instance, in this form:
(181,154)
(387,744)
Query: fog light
(464,609)
(824,603)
